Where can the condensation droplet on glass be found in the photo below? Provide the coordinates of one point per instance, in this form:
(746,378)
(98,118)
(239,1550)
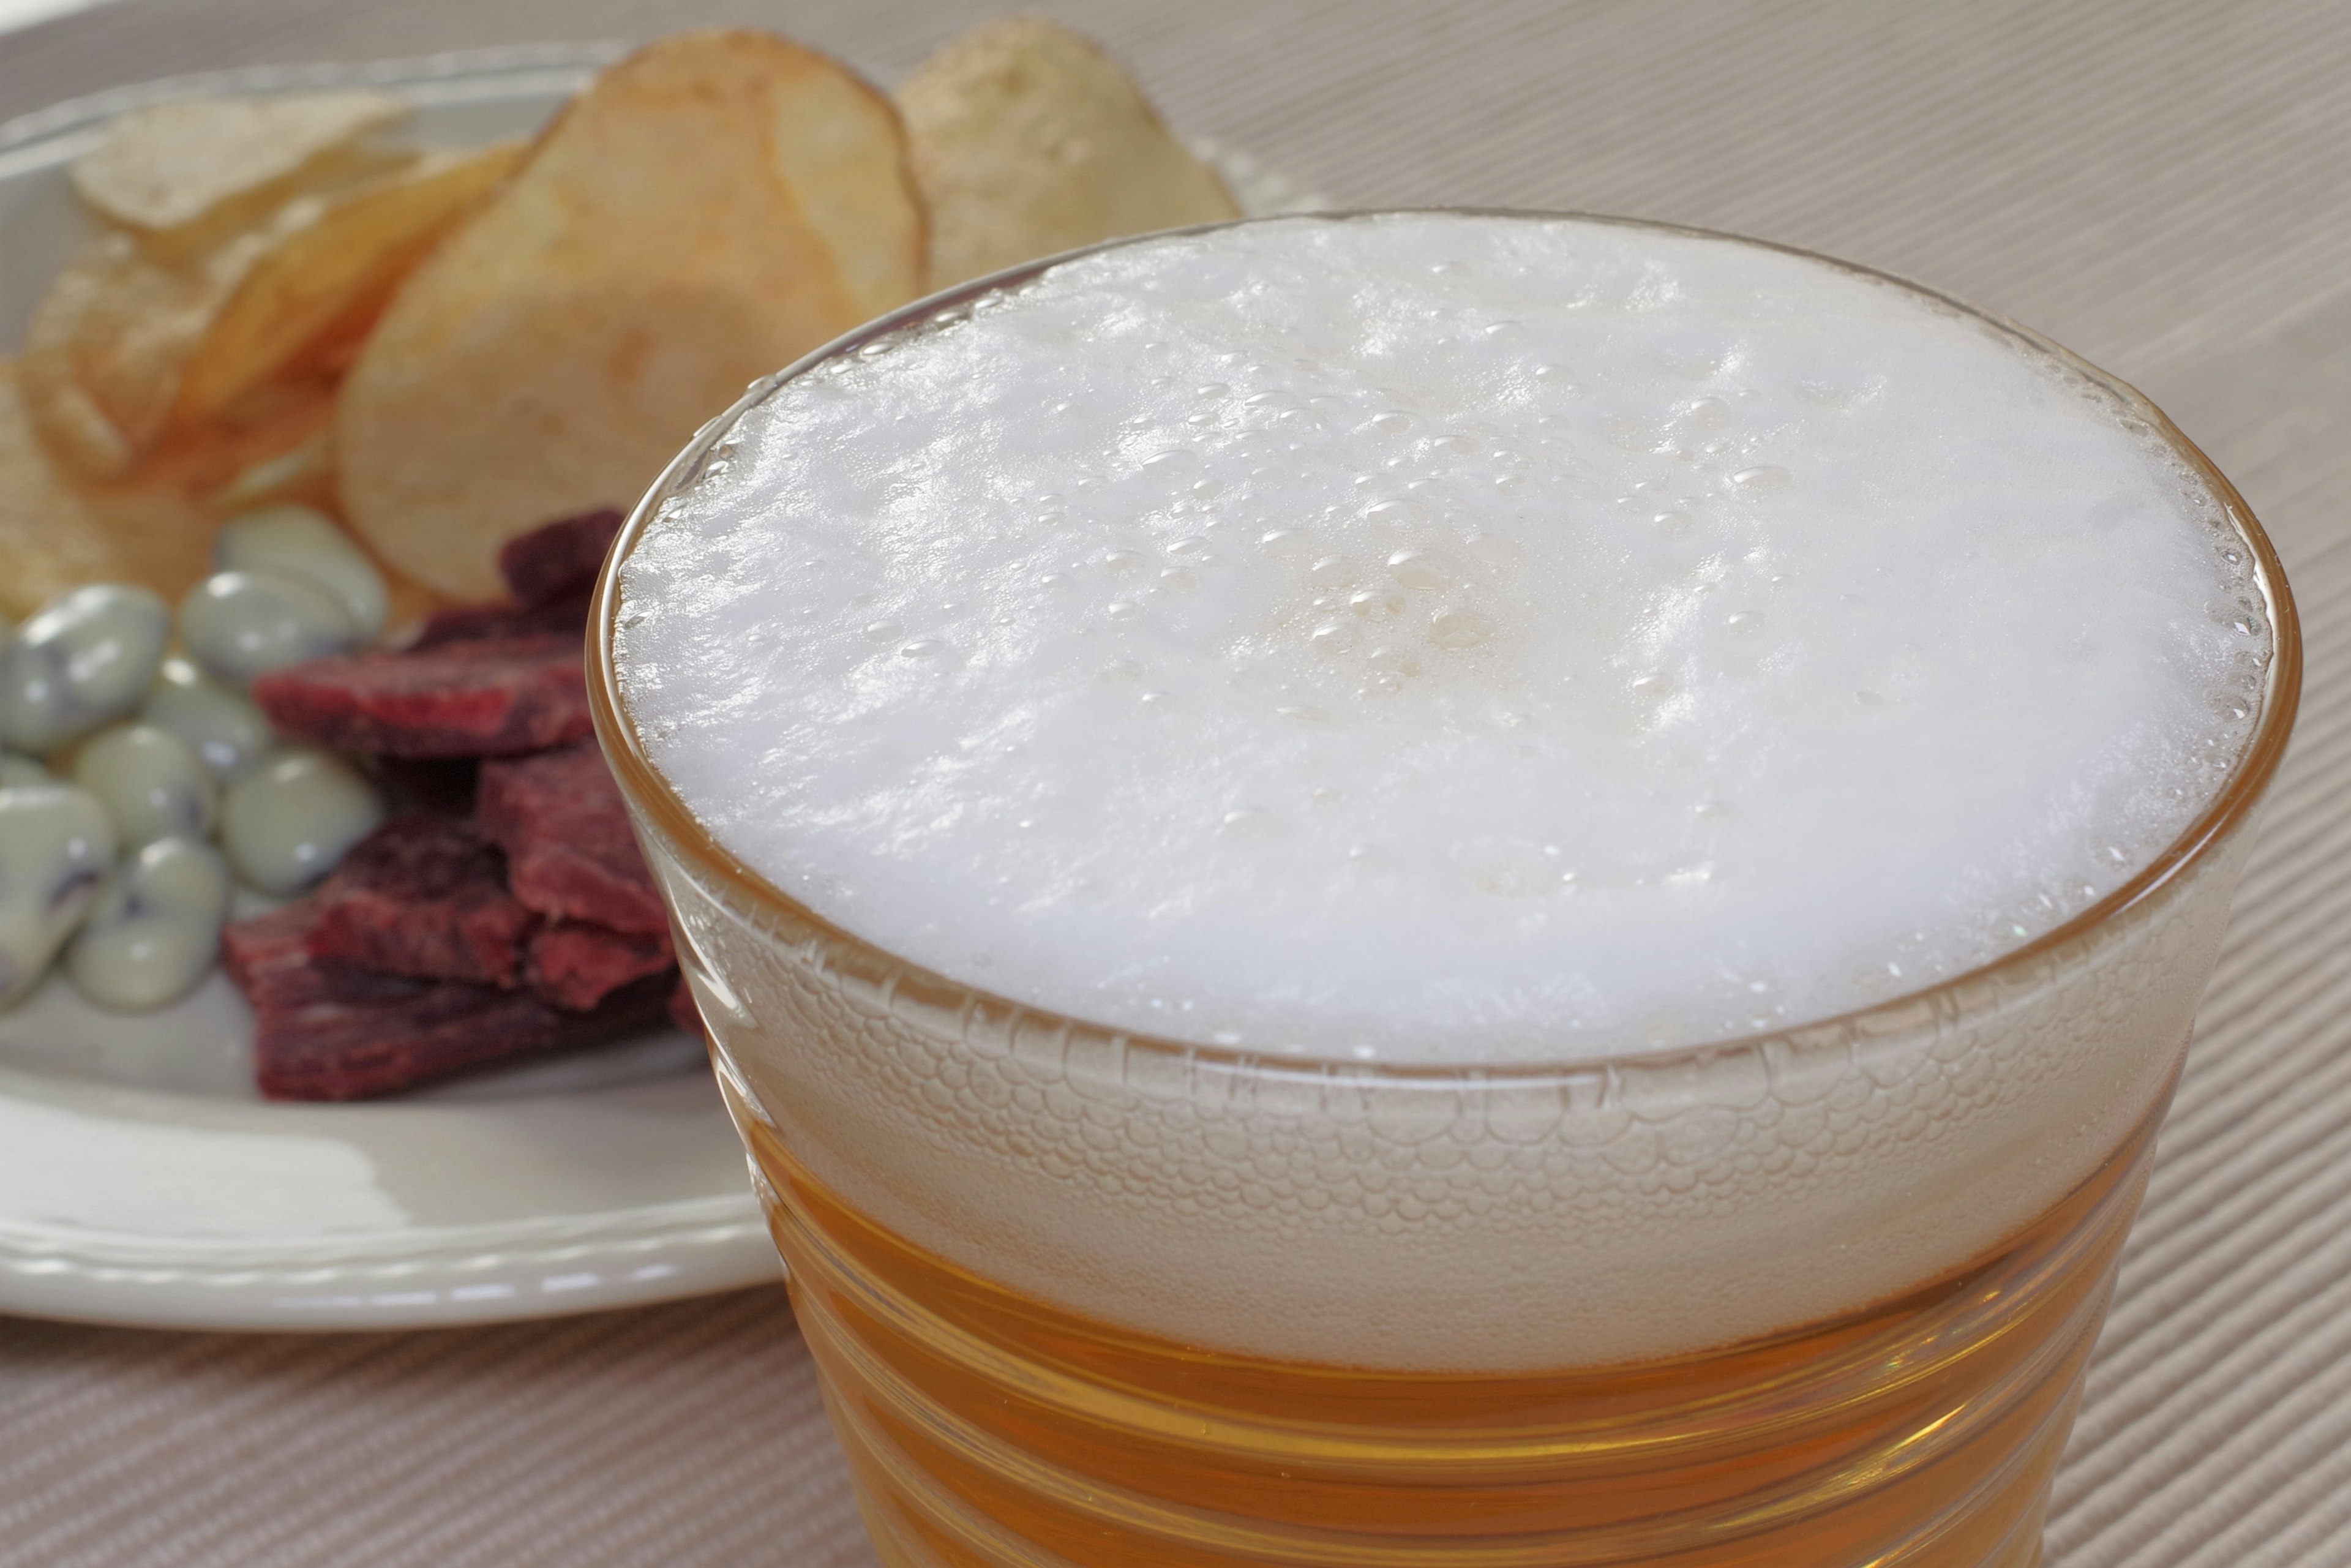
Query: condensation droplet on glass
(1763,476)
(883,632)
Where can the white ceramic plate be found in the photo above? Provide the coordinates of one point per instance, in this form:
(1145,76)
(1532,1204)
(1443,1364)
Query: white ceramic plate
(143,1180)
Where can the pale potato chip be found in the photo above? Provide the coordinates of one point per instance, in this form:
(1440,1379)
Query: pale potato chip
(1027,140)
(322,283)
(676,233)
(56,534)
(106,346)
(188,162)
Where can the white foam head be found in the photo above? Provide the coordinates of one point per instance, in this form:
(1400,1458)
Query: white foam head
(1437,638)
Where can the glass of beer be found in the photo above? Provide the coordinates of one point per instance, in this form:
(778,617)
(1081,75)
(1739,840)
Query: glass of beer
(1447,888)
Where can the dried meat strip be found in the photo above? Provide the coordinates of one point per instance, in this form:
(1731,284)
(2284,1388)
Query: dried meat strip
(495,697)
(426,897)
(576,966)
(328,1031)
(571,855)
(558,561)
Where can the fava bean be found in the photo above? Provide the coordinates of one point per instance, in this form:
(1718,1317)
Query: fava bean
(222,725)
(288,822)
(240,624)
(154,928)
(300,541)
(152,783)
(55,845)
(88,656)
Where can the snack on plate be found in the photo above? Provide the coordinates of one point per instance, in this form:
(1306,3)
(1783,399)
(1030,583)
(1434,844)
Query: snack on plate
(480,923)
(327,1030)
(576,965)
(306,302)
(425,895)
(707,211)
(569,852)
(1029,139)
(203,191)
(106,347)
(294,337)
(177,173)
(56,532)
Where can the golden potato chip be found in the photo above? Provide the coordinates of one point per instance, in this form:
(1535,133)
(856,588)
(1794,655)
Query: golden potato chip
(169,169)
(206,460)
(322,283)
(107,344)
(56,534)
(709,210)
(1027,140)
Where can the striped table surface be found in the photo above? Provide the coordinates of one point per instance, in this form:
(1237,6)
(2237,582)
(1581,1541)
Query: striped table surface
(2163,187)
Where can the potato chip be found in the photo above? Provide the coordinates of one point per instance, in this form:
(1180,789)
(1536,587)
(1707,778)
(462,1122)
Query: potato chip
(321,285)
(105,349)
(171,168)
(56,534)
(707,211)
(1027,140)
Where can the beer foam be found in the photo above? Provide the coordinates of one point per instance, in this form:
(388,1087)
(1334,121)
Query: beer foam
(1442,639)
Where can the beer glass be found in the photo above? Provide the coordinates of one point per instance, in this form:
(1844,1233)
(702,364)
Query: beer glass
(1817,1297)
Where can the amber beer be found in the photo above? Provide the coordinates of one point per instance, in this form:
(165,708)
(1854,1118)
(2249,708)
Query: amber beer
(1807,1287)
(987,1427)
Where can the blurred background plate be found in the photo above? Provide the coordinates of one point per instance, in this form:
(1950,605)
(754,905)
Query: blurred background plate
(143,1180)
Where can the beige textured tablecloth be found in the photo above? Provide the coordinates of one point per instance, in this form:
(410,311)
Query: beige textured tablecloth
(2165,187)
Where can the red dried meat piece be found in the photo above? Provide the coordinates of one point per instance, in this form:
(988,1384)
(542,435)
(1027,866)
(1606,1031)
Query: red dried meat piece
(685,1012)
(495,697)
(558,561)
(480,623)
(426,896)
(576,966)
(330,1031)
(569,852)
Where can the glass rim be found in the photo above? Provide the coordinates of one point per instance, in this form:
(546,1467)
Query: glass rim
(2248,777)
